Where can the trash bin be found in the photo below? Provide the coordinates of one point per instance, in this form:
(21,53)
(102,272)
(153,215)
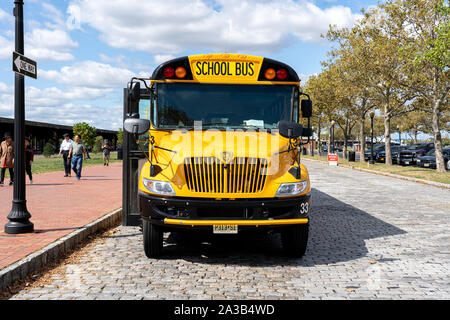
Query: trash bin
(119,153)
(351,156)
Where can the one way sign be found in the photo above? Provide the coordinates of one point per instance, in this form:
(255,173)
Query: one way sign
(24,66)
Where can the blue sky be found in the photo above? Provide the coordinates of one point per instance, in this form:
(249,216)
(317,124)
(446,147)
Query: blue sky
(87,50)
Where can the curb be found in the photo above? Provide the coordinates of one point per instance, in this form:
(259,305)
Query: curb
(38,259)
(391,175)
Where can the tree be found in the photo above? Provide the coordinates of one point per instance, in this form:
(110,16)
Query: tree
(382,67)
(49,149)
(98,144)
(120,137)
(86,132)
(422,29)
(321,89)
(354,56)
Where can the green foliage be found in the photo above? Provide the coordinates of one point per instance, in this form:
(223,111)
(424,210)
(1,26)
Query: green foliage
(49,150)
(98,144)
(446,142)
(437,51)
(395,60)
(120,137)
(86,132)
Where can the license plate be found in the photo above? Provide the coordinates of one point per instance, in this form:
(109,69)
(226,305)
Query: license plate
(426,164)
(381,159)
(228,229)
(406,162)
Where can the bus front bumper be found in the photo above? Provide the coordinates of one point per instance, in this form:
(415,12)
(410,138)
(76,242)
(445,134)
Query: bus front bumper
(202,213)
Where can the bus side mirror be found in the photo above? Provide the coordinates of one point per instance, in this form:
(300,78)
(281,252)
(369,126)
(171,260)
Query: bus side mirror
(136,126)
(306,108)
(134,92)
(307,132)
(290,130)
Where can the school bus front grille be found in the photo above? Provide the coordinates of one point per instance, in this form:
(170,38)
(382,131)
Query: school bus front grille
(211,175)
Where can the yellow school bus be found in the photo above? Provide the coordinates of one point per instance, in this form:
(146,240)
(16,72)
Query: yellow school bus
(225,135)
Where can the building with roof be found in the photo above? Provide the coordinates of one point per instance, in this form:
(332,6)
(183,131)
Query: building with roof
(40,133)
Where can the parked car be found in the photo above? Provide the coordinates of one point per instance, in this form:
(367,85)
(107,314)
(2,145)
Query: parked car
(336,149)
(410,154)
(429,159)
(377,148)
(395,149)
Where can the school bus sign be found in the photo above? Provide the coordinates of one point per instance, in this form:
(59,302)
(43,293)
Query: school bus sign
(231,68)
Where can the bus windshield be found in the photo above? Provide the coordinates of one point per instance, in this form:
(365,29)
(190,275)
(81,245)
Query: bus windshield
(224,106)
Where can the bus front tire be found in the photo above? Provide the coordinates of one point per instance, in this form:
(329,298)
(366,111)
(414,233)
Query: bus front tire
(295,239)
(153,239)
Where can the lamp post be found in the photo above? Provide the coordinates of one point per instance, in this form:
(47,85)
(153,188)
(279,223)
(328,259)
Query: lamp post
(372,114)
(399,135)
(312,144)
(19,217)
(332,136)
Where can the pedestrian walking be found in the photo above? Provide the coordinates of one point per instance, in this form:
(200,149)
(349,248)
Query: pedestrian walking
(77,153)
(106,148)
(7,159)
(29,158)
(87,153)
(64,150)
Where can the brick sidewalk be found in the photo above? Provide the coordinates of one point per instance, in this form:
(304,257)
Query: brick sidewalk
(59,206)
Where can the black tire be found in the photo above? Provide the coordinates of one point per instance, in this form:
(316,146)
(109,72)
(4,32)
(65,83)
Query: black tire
(295,239)
(153,239)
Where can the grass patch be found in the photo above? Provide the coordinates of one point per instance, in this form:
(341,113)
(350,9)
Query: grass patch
(407,171)
(42,164)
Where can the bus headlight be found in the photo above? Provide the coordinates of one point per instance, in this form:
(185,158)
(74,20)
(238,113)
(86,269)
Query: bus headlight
(291,189)
(159,187)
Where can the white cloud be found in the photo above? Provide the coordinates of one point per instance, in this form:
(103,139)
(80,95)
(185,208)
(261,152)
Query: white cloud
(6,48)
(54,15)
(109,117)
(166,27)
(160,58)
(4,16)
(53,97)
(4,88)
(48,41)
(90,74)
(54,105)
(50,45)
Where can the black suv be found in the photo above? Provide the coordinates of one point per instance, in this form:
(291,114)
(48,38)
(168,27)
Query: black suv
(381,156)
(409,155)
(377,149)
(429,160)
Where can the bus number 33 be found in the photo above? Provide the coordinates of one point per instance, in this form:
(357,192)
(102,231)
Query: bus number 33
(304,207)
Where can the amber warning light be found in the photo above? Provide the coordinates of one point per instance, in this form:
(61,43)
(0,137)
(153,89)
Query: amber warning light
(280,74)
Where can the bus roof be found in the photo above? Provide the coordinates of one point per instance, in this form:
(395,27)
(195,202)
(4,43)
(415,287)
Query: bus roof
(225,68)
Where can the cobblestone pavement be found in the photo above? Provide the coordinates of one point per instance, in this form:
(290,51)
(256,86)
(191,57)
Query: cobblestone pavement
(371,237)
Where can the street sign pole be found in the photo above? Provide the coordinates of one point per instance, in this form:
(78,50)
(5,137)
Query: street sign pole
(19,217)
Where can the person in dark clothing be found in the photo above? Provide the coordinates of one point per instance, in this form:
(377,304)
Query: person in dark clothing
(106,148)
(29,158)
(7,159)
(64,150)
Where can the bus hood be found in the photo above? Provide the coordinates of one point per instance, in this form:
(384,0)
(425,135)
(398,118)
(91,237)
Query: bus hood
(226,146)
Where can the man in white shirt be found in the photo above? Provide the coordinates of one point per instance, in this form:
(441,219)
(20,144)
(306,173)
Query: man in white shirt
(66,144)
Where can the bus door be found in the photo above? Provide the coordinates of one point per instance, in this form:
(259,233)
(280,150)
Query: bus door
(133,159)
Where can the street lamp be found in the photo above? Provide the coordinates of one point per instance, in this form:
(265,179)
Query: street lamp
(332,135)
(312,139)
(19,217)
(372,114)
